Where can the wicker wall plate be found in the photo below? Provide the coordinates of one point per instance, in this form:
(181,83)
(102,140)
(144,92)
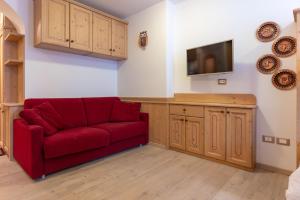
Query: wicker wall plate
(268,64)
(284,79)
(285,46)
(268,31)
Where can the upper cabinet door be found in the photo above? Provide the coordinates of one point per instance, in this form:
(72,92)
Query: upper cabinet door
(239,136)
(81,28)
(55,22)
(215,132)
(101,34)
(119,39)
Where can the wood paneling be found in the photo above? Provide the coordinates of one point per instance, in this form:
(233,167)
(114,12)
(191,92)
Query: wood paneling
(119,39)
(177,132)
(215,132)
(102,34)
(55,22)
(81,28)
(195,135)
(158,122)
(239,137)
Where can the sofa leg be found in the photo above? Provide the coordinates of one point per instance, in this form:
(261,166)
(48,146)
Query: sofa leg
(141,145)
(43,177)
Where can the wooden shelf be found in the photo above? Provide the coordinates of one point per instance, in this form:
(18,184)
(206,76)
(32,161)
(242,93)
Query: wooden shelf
(13,37)
(12,62)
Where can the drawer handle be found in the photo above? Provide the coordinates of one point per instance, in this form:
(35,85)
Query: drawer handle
(184,110)
(222,111)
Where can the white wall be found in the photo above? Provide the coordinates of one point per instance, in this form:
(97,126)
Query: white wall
(193,23)
(145,73)
(204,22)
(55,74)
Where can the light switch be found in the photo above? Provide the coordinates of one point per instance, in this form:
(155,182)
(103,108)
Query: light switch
(222,81)
(283,141)
(268,139)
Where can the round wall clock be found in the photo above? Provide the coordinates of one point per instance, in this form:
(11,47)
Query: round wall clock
(268,64)
(268,31)
(284,79)
(285,46)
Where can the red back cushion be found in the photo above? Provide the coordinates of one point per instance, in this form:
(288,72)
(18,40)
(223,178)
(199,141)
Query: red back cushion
(70,109)
(98,110)
(34,118)
(125,112)
(49,114)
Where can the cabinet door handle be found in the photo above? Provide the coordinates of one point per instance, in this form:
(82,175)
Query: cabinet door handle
(228,112)
(67,40)
(222,111)
(110,49)
(184,110)
(72,41)
(114,50)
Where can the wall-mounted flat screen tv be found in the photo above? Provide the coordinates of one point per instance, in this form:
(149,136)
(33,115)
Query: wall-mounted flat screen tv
(215,58)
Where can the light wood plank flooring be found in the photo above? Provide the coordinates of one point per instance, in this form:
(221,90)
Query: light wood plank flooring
(146,173)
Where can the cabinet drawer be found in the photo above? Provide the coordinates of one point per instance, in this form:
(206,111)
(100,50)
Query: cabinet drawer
(193,111)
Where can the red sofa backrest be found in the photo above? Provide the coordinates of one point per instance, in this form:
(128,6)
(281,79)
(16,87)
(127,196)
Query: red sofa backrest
(98,110)
(78,112)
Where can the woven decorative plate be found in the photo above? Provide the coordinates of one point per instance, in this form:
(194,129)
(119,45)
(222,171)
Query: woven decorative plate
(284,79)
(285,46)
(268,64)
(268,31)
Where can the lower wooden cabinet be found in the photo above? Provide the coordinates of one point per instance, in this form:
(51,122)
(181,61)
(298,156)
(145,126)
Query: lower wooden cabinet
(225,134)
(215,132)
(239,137)
(195,135)
(177,130)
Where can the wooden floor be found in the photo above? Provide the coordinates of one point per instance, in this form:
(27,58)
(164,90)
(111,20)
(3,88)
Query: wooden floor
(146,173)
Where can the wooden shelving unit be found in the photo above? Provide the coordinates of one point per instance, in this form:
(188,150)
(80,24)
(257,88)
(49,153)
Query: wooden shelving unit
(14,37)
(13,62)
(11,81)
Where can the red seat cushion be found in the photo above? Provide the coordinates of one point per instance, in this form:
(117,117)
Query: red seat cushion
(125,112)
(34,118)
(75,140)
(98,110)
(123,130)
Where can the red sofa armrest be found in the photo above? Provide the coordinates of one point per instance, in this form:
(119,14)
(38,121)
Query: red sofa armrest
(28,147)
(145,118)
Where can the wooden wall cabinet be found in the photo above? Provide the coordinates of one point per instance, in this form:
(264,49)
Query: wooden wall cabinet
(54,27)
(81,28)
(69,26)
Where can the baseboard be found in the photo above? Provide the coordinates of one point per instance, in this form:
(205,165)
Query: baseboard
(274,169)
(158,145)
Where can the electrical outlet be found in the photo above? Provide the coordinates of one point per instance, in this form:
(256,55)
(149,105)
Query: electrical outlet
(268,139)
(222,81)
(283,141)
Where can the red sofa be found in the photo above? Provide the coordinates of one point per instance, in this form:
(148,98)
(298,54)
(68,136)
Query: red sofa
(89,134)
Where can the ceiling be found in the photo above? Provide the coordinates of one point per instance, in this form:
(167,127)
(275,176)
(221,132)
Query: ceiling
(120,8)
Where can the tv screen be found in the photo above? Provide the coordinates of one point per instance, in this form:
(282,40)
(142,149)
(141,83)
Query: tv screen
(215,58)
